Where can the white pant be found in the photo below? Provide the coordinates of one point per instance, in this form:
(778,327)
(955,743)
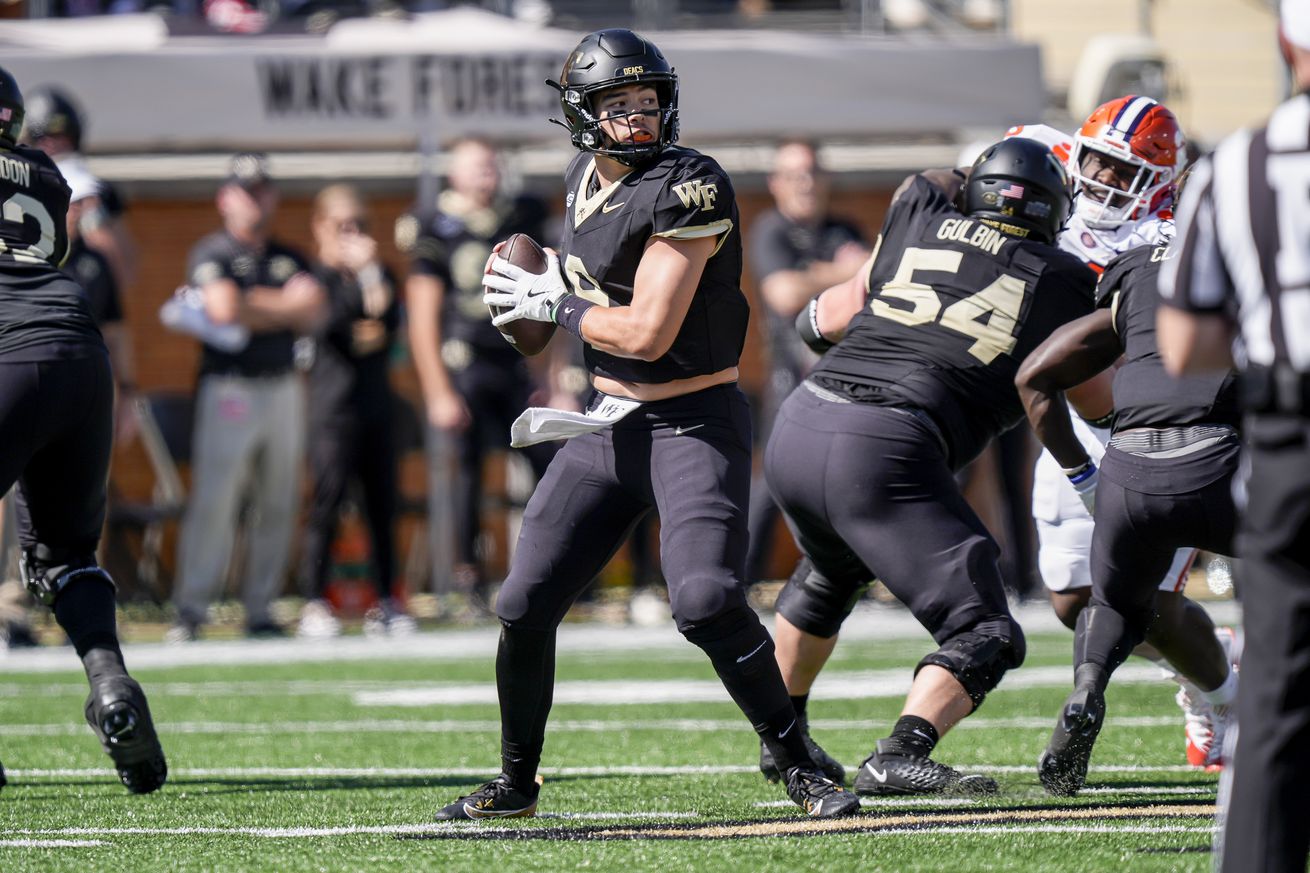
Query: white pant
(249,439)
(1064,527)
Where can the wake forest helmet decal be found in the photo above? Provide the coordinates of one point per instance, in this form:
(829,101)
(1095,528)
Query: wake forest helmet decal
(11,108)
(1018,186)
(605,59)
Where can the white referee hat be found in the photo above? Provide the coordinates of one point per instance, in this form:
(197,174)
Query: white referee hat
(1294,20)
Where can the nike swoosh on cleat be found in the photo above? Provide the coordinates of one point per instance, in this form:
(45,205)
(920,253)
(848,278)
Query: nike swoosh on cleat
(752,651)
(680,430)
(880,775)
(783,735)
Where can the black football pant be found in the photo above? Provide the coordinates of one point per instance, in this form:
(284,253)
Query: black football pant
(867,489)
(1146,509)
(496,391)
(689,459)
(56,430)
(1270,800)
(341,450)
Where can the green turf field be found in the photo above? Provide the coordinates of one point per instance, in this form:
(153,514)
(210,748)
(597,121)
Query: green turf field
(331,766)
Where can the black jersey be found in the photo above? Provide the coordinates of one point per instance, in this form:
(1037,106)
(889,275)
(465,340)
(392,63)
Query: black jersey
(89,269)
(777,243)
(42,313)
(681,194)
(222,256)
(954,308)
(1144,394)
(453,244)
(345,379)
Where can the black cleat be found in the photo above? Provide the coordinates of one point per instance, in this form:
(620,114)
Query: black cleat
(118,713)
(496,799)
(818,795)
(1063,766)
(3,781)
(887,772)
(825,762)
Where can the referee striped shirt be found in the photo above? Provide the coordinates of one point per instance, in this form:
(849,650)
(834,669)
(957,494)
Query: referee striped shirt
(1242,246)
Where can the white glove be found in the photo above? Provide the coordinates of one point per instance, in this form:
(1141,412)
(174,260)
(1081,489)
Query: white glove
(525,295)
(1084,482)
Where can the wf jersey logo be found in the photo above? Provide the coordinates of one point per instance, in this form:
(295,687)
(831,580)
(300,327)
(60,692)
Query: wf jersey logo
(697,193)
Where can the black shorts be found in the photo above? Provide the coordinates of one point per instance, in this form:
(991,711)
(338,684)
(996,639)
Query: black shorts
(867,490)
(56,429)
(689,458)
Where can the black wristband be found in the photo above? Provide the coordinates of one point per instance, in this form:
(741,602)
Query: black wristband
(1103,422)
(807,325)
(569,312)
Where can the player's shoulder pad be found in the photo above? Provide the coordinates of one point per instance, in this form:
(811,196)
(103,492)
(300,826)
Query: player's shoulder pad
(1116,273)
(683,164)
(922,194)
(1066,268)
(36,156)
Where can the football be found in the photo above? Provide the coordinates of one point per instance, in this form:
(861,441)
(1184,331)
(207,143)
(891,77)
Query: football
(524,334)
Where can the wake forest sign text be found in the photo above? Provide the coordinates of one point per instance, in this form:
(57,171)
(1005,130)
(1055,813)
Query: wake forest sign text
(415,86)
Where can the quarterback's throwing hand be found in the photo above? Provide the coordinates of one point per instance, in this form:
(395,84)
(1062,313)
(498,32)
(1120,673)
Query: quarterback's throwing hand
(521,294)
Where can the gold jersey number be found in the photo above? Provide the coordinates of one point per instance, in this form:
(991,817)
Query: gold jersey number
(991,316)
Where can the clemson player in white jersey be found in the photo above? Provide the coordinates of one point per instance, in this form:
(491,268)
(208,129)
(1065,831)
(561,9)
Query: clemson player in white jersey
(1125,160)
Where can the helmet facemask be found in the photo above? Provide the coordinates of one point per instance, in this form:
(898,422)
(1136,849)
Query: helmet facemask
(583,121)
(1106,206)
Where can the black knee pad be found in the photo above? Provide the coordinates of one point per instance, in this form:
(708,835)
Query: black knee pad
(816,604)
(46,572)
(721,635)
(980,656)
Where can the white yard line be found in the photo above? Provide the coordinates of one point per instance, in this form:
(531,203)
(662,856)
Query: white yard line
(869,622)
(453,726)
(475,772)
(338,831)
(50,844)
(832,685)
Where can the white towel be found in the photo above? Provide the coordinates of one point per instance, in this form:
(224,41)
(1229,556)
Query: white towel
(538,424)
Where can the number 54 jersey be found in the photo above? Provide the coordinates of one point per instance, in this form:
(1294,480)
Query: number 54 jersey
(679,195)
(953,308)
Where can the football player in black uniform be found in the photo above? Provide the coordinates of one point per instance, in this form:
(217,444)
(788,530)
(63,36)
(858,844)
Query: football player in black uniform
(474,383)
(56,420)
(652,251)
(1165,483)
(863,454)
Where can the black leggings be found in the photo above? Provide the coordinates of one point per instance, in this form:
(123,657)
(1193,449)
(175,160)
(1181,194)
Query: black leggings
(56,430)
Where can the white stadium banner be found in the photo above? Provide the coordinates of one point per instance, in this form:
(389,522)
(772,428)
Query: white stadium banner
(373,84)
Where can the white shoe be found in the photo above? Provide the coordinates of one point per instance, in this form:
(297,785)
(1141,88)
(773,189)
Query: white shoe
(317,621)
(389,618)
(1198,726)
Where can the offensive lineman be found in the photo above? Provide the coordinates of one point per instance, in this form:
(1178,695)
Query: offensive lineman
(56,420)
(928,338)
(1125,161)
(1165,483)
(652,251)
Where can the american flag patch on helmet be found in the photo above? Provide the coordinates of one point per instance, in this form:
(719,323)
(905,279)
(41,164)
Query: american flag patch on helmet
(1012,191)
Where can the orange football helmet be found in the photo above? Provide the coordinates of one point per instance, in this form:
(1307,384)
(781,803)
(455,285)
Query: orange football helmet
(1125,160)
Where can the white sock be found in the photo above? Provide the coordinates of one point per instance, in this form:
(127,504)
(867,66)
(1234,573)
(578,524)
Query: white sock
(1226,693)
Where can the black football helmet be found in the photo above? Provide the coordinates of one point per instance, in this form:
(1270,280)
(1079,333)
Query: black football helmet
(1019,186)
(602,60)
(51,112)
(11,108)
